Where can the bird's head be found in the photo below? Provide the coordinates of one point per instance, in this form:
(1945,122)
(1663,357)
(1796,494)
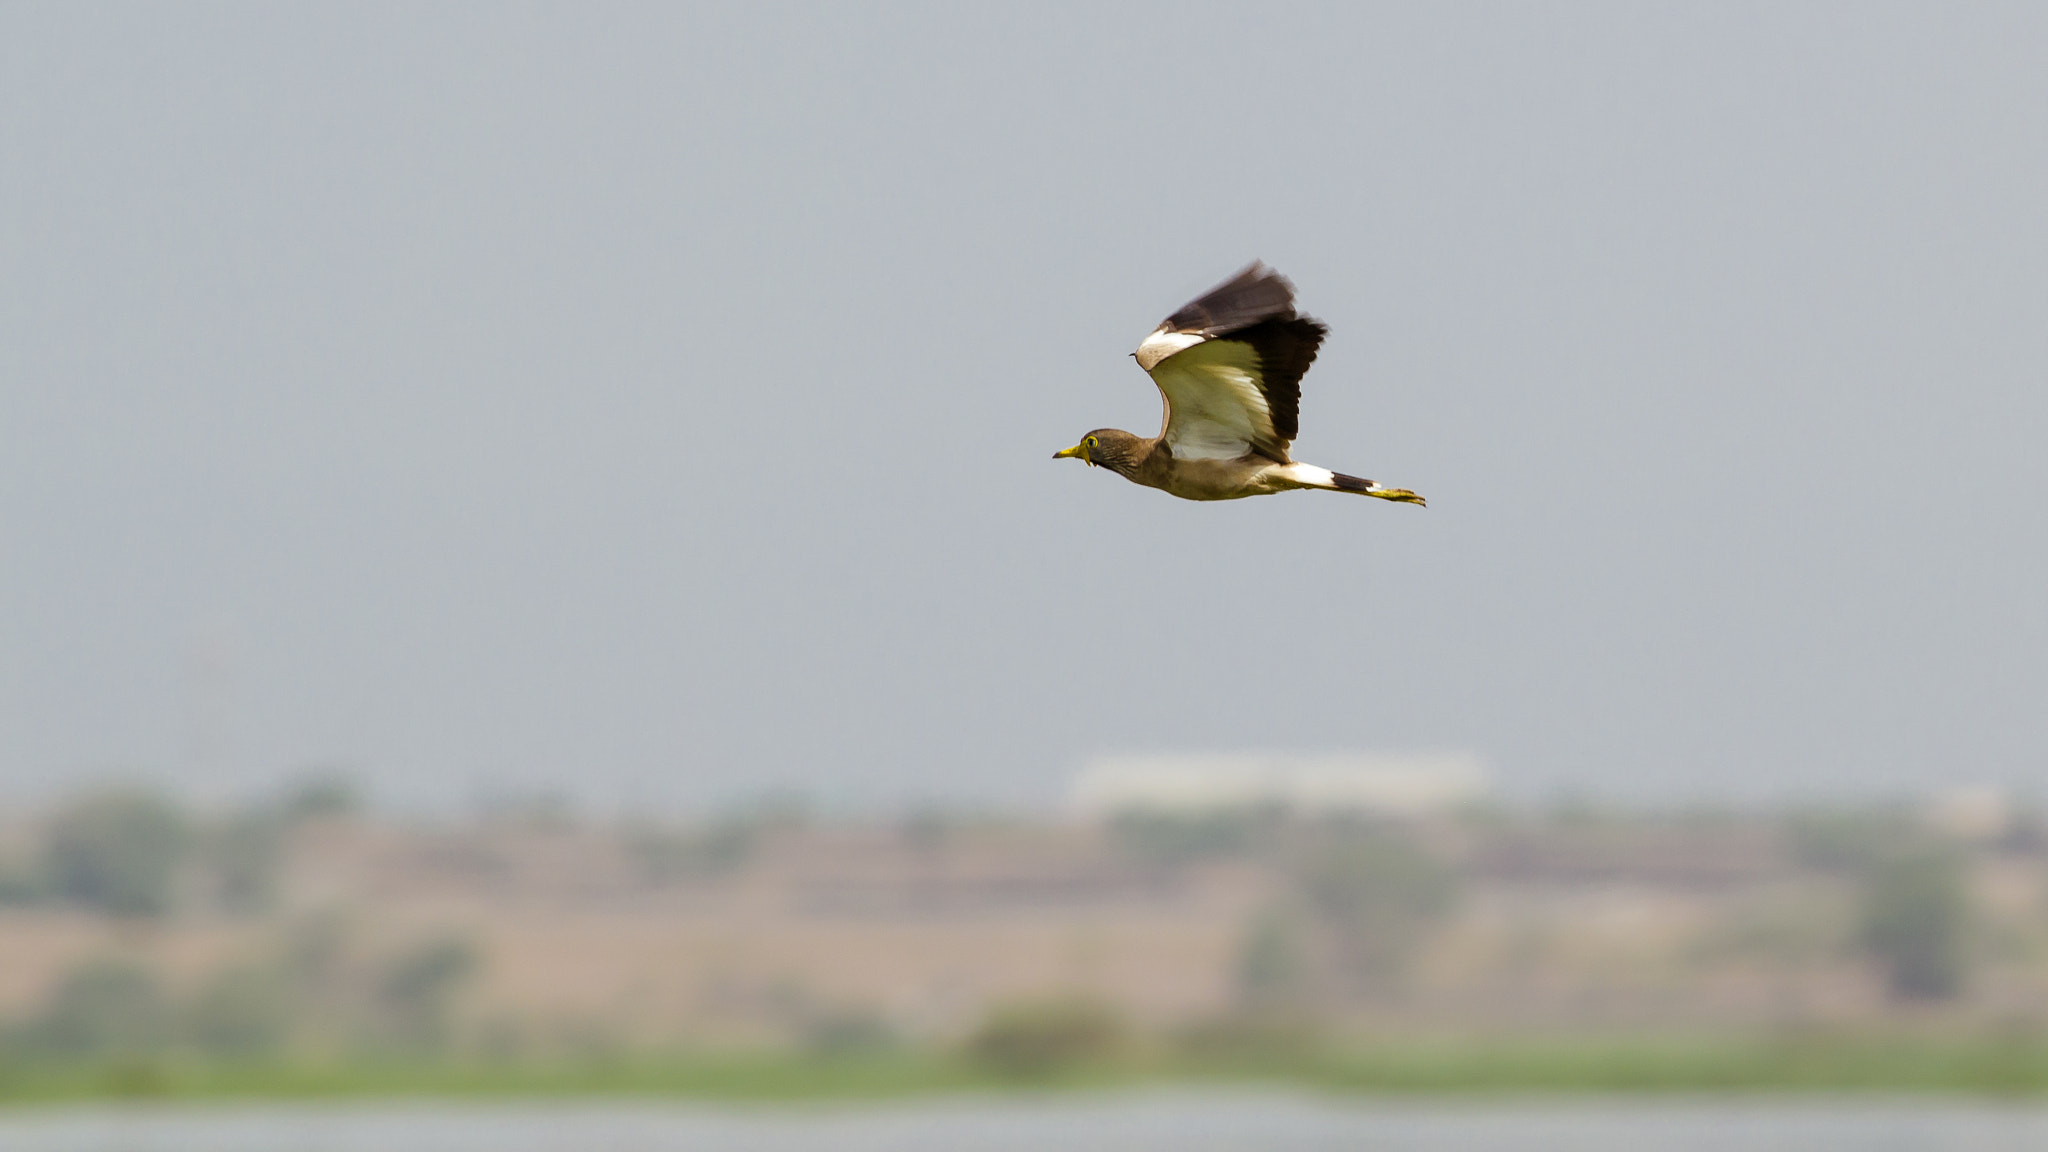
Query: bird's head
(1105,448)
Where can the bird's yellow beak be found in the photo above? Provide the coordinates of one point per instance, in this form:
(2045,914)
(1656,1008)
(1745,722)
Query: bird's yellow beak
(1079,451)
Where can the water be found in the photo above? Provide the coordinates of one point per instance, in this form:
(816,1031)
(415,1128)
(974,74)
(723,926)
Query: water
(1179,1121)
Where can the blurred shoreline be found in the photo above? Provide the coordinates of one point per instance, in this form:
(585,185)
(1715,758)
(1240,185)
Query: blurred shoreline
(1890,1066)
(305,948)
(1185,1119)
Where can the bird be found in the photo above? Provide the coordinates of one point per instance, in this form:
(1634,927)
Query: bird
(1229,367)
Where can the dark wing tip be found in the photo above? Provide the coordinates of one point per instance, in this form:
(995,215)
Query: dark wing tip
(1286,349)
(1254,294)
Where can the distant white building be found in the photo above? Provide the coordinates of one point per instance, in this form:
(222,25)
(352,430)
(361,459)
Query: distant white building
(1379,783)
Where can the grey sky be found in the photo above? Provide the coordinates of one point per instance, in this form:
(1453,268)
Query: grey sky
(656,402)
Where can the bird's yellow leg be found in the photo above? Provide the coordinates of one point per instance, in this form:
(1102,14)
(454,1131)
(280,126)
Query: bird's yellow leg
(1398,495)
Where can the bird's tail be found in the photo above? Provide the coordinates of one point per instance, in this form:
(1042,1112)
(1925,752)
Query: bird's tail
(1339,482)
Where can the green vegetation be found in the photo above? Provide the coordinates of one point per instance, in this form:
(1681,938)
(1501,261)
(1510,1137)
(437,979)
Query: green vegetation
(1035,1039)
(1375,892)
(105,1009)
(1362,895)
(668,855)
(20,884)
(1981,1065)
(1851,840)
(317,992)
(1840,1063)
(1915,913)
(245,856)
(117,852)
(125,853)
(1168,839)
(417,992)
(665,857)
(1273,966)
(241,1013)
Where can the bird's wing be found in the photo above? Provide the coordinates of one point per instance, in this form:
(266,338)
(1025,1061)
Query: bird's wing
(1229,368)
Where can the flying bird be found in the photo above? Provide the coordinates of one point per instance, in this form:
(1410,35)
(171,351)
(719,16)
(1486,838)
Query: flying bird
(1229,369)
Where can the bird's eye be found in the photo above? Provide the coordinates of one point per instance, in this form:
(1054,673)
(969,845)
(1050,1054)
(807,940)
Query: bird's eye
(1089,442)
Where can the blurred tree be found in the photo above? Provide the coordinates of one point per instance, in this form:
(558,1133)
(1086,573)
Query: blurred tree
(2027,835)
(245,854)
(1036,1038)
(314,949)
(538,810)
(241,1012)
(321,795)
(848,1032)
(322,984)
(101,1008)
(117,852)
(1272,965)
(1915,913)
(927,829)
(667,856)
(418,991)
(21,883)
(1374,890)
(1178,838)
(1852,839)
(1267,1037)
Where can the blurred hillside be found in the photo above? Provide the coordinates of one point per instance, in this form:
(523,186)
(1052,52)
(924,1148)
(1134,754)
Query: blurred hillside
(309,929)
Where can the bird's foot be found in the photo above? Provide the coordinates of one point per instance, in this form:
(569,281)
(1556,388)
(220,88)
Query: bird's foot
(1398,495)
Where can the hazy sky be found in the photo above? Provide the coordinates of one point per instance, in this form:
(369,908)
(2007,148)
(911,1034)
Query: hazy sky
(656,402)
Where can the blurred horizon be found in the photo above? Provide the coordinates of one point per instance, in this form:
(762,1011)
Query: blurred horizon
(1070,801)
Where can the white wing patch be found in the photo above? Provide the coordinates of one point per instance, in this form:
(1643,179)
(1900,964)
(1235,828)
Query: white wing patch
(1163,343)
(1214,409)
